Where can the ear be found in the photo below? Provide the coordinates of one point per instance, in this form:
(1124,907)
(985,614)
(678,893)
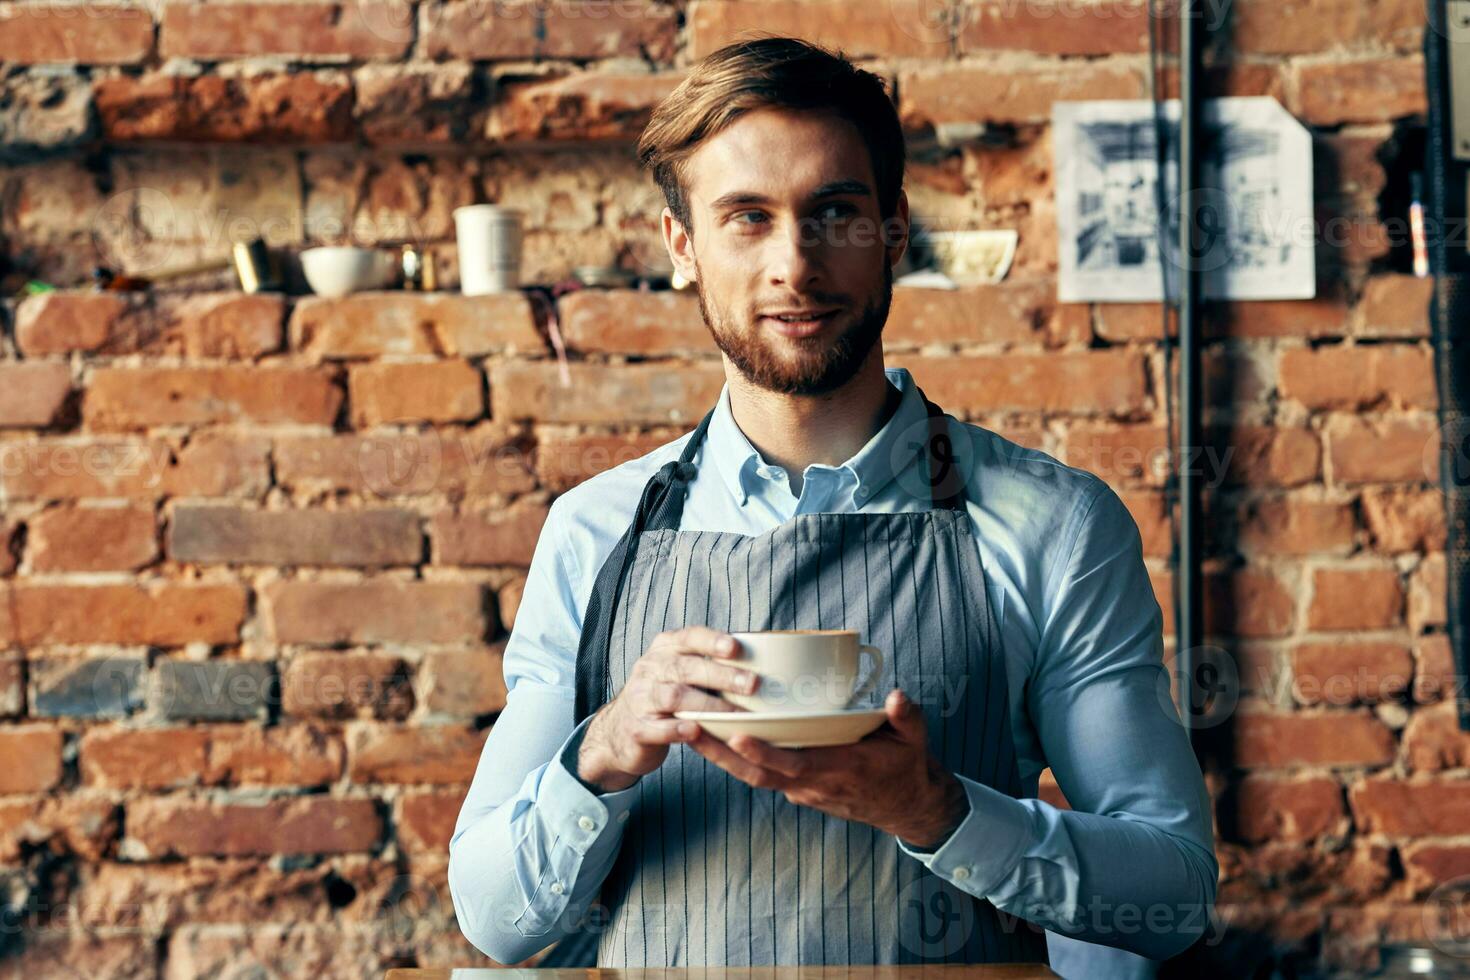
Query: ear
(680,246)
(896,229)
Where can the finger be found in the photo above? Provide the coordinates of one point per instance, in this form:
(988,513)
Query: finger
(665,731)
(704,640)
(670,697)
(732,762)
(906,717)
(764,754)
(704,672)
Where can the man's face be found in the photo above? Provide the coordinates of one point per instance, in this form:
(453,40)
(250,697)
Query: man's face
(785,219)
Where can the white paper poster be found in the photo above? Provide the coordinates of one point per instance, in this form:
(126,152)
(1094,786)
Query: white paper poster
(1256,227)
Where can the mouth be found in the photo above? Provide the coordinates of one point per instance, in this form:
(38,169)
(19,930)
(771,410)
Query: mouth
(801,325)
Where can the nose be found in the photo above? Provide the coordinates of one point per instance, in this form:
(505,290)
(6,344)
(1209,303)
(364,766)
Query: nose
(795,258)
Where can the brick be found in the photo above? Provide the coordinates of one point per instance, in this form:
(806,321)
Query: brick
(1395,306)
(1290,526)
(285,107)
(82,825)
(1355,599)
(34,755)
(1268,808)
(1410,807)
(1435,676)
(587,106)
(94,33)
(510,597)
(437,754)
(12,686)
(565,458)
(282,949)
(1119,454)
(899,29)
(1150,513)
(377,612)
(1347,166)
(1299,872)
(347,685)
(102,687)
(489,459)
(1359,378)
(1021,313)
(1326,315)
(1427,864)
(628,394)
(1320,738)
(626,321)
(524,29)
(226,325)
(1404,520)
(92,539)
(398,323)
(1307,28)
(411,105)
(1058,27)
(233,535)
(160,614)
(1383,450)
(166,896)
(1334,92)
(226,755)
(9,546)
(1111,382)
(43,115)
(1347,672)
(464,682)
(986,93)
(443,391)
(32,394)
(215,690)
(426,820)
(310,30)
(135,398)
(161,827)
(1433,740)
(1247,602)
(1263,456)
(60,953)
(502,537)
(209,465)
(1427,595)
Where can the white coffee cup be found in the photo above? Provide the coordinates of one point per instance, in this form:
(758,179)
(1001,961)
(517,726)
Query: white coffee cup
(489,240)
(804,670)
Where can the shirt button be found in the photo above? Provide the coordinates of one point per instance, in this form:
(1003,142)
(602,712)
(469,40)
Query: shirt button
(557,888)
(862,491)
(962,873)
(586,823)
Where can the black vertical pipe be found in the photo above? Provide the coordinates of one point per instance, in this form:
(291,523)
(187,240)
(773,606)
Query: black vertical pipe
(1190,629)
(1449,319)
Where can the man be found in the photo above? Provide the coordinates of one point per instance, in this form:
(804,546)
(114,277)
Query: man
(823,491)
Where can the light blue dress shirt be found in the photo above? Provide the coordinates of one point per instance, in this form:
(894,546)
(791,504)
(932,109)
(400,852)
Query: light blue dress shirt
(1131,867)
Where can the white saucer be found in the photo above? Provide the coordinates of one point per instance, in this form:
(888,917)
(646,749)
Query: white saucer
(790,730)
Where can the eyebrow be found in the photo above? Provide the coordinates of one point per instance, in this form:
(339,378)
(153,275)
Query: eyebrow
(835,188)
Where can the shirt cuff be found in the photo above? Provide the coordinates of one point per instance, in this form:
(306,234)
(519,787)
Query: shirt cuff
(987,844)
(575,812)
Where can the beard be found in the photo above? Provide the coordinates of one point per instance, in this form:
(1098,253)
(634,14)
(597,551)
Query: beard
(811,365)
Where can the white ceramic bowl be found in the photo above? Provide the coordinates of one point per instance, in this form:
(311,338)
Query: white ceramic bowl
(336,270)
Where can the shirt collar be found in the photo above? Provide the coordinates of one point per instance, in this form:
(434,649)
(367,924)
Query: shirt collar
(892,447)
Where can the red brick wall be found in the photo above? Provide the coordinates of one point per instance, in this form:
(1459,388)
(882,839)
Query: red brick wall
(261,554)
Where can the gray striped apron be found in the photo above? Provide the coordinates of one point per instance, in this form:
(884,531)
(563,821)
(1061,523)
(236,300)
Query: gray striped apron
(714,872)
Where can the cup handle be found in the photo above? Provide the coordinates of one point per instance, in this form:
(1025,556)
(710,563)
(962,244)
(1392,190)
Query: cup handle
(871,680)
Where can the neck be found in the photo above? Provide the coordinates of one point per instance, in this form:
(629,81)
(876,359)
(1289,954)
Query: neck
(795,431)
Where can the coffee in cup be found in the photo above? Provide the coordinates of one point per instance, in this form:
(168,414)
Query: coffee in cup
(804,670)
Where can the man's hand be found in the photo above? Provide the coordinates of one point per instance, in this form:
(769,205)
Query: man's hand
(632,733)
(888,780)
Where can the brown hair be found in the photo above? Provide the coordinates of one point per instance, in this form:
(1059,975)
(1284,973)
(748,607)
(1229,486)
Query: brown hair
(780,72)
